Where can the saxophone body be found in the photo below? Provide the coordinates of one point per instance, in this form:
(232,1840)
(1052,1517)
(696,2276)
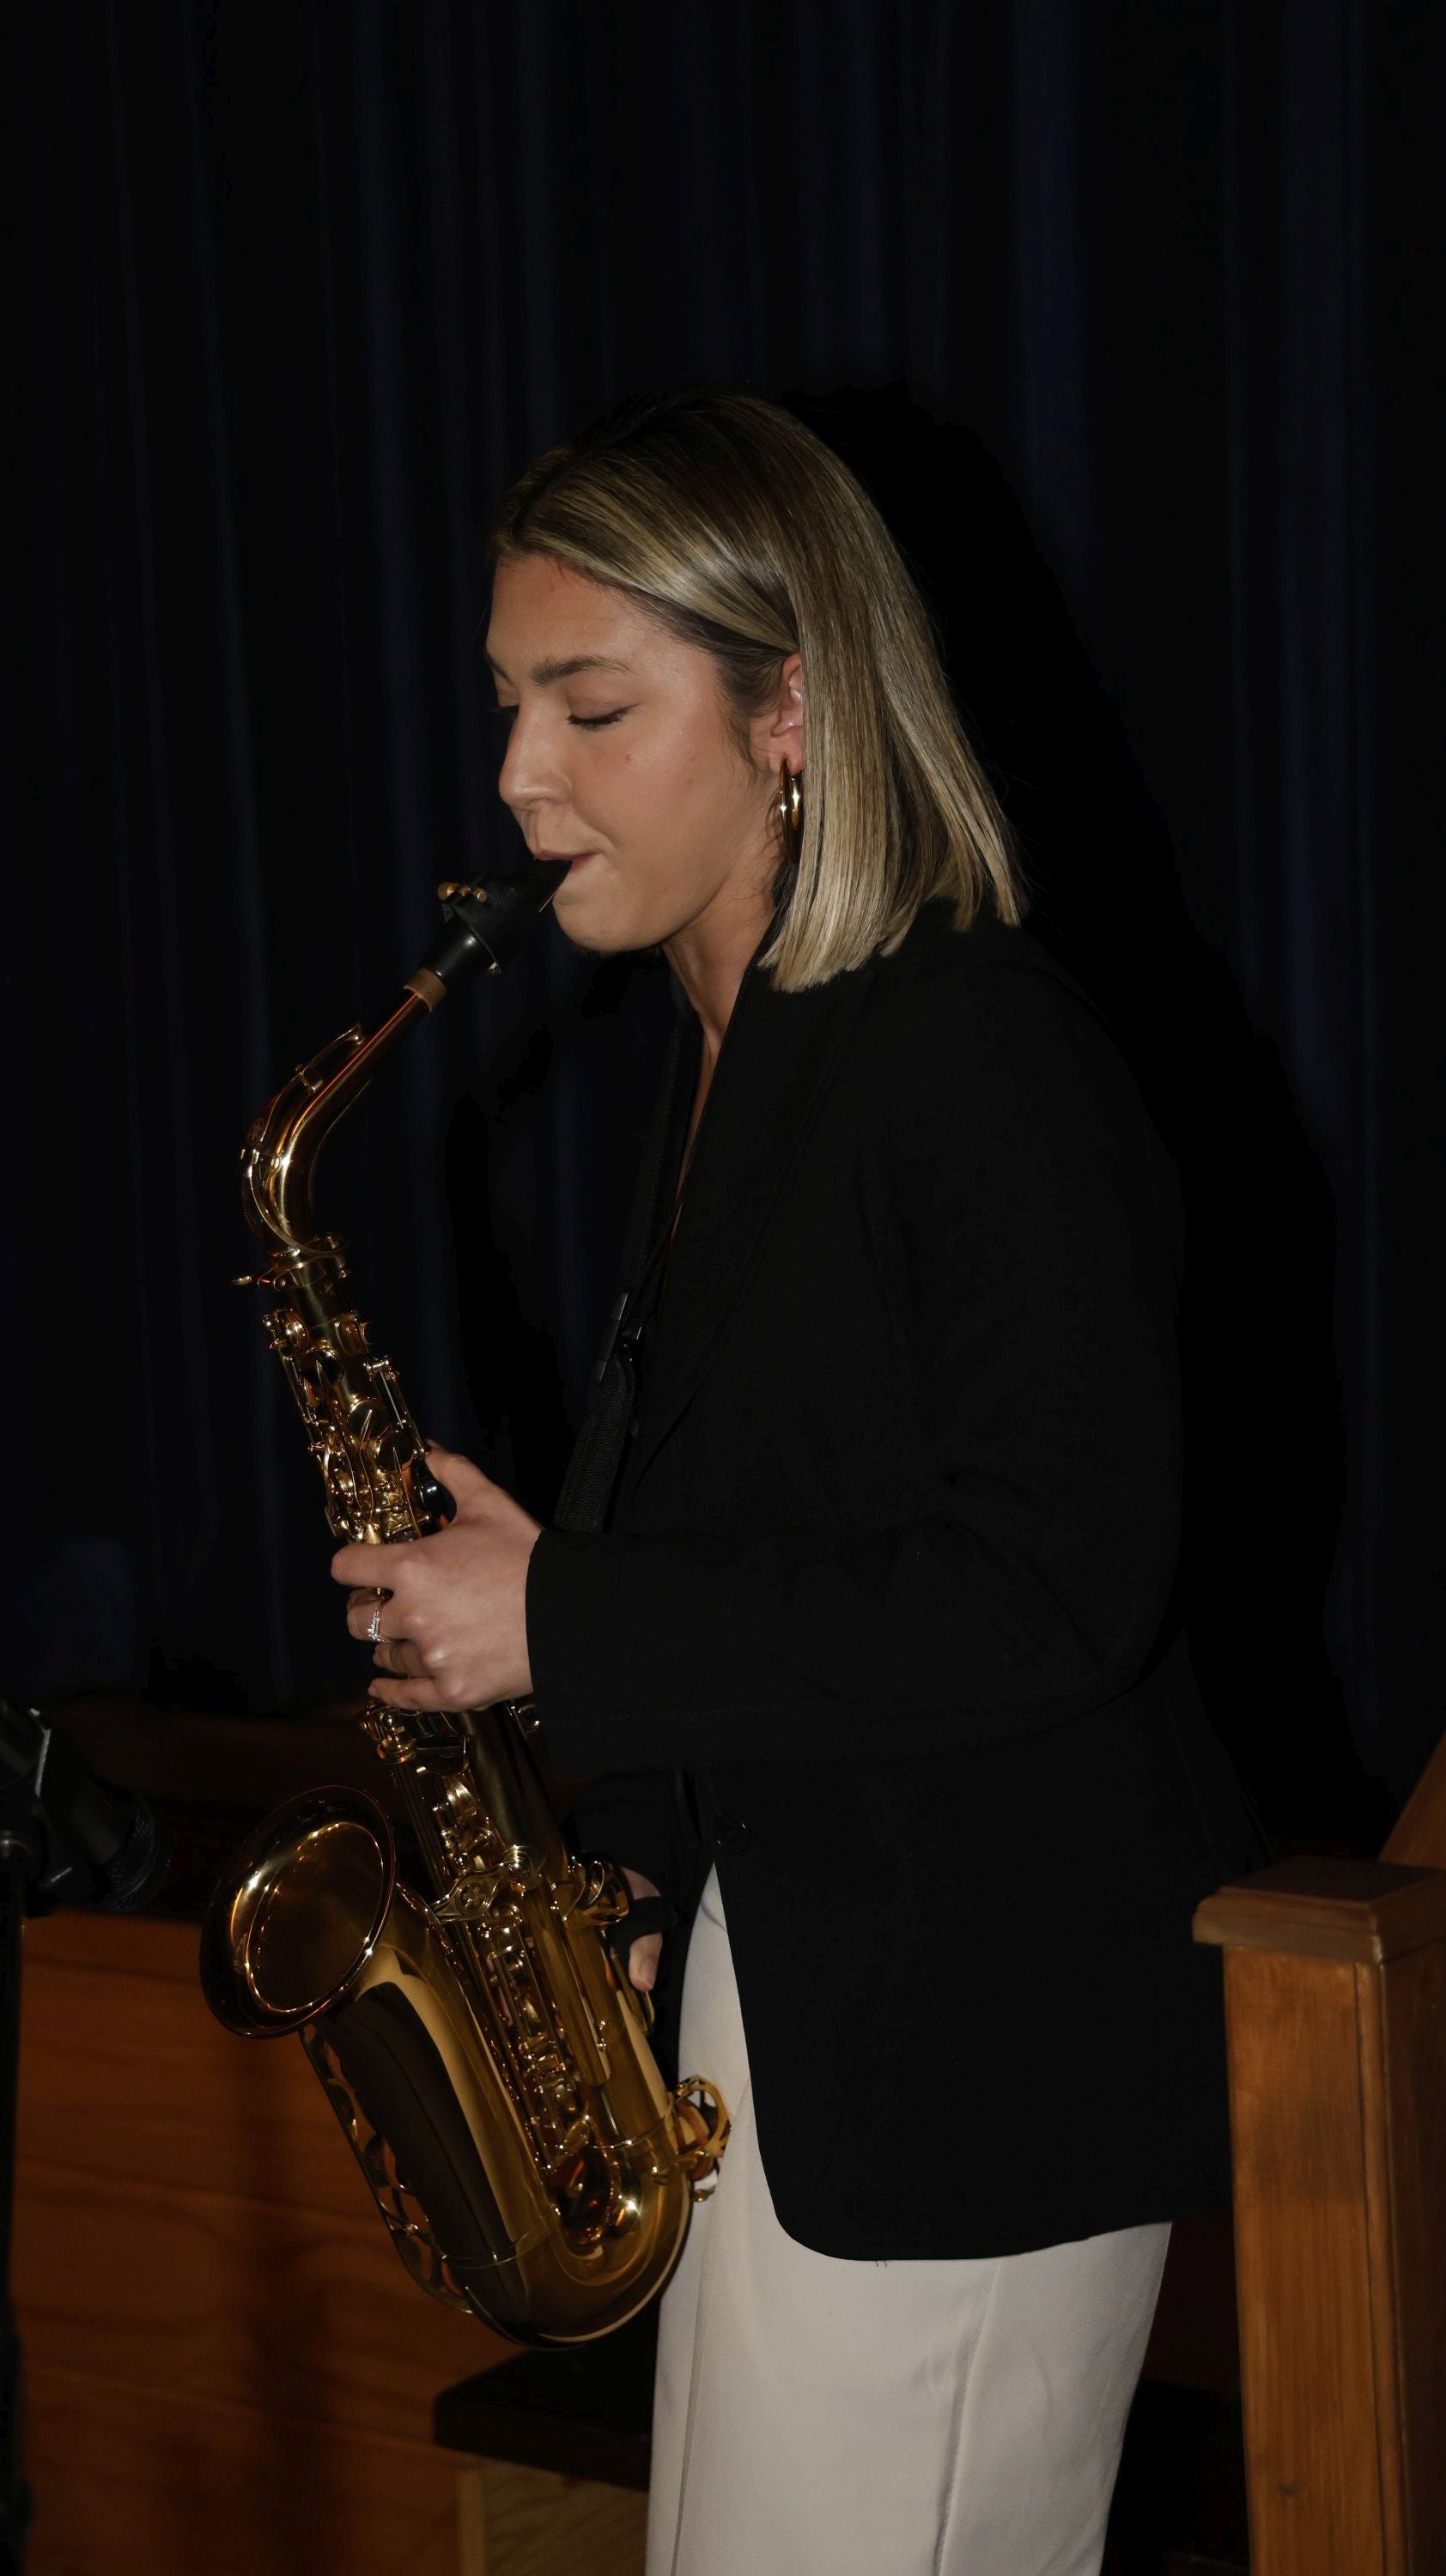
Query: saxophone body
(477,2038)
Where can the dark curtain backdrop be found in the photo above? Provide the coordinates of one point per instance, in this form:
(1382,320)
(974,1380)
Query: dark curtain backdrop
(1126,314)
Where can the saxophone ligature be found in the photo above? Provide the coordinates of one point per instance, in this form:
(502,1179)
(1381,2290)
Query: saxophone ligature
(477,2036)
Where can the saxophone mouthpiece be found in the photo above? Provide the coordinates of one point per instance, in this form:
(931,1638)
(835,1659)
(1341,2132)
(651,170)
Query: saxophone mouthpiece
(489,922)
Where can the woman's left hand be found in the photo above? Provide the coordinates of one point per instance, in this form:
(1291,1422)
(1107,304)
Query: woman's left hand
(453,1633)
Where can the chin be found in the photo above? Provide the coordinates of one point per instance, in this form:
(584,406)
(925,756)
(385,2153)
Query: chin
(585,916)
(594,943)
(584,928)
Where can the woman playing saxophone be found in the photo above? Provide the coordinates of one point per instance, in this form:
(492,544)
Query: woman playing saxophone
(875,1653)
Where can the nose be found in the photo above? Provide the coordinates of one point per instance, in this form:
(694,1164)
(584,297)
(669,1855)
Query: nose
(530,774)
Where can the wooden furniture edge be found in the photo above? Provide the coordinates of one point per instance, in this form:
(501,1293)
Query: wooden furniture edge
(1360,1910)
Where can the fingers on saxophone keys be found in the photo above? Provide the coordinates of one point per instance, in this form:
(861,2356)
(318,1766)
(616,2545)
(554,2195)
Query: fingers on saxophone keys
(406,1694)
(403,1659)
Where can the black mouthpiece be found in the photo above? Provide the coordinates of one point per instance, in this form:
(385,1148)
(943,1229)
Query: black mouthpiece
(487,923)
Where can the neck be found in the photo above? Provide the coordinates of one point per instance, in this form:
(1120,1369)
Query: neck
(711,957)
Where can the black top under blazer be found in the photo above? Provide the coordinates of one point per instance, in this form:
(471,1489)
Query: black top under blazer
(883,1615)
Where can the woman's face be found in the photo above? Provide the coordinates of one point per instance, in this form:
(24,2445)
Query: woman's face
(621,758)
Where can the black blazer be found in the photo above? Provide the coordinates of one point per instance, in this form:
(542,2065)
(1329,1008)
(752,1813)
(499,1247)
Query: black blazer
(886,1602)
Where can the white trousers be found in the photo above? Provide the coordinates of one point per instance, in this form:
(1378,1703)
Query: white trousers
(815,2417)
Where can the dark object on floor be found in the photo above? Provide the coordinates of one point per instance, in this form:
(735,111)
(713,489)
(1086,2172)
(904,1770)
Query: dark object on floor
(1179,2507)
(586,2412)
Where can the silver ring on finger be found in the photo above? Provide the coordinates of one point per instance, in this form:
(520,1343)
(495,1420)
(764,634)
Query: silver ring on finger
(374,1632)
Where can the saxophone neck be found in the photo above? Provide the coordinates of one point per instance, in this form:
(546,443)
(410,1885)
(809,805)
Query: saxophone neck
(485,926)
(283,1147)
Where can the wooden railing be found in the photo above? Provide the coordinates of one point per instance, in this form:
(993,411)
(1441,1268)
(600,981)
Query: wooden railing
(1335,1991)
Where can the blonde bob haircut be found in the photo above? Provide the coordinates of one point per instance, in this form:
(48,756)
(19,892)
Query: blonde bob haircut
(744,534)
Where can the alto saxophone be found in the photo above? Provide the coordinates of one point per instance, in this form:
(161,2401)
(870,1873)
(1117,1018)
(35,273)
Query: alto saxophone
(483,2050)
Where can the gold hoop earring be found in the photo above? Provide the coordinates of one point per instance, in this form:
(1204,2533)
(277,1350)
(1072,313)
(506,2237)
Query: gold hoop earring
(788,806)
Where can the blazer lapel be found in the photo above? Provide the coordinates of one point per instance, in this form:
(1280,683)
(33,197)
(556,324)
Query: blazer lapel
(778,1057)
(592,1471)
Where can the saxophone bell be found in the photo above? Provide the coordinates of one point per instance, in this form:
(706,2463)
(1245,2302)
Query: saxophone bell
(308,1900)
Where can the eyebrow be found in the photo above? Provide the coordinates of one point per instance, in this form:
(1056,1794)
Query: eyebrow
(544,673)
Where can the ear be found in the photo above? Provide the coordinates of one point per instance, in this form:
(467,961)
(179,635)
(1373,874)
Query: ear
(781,723)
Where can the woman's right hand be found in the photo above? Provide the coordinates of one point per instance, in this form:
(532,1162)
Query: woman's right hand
(644,1955)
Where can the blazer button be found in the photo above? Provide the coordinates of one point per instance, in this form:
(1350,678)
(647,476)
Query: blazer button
(731,1835)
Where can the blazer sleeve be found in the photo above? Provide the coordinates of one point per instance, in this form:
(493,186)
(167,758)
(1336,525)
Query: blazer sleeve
(1023,1213)
(639,1819)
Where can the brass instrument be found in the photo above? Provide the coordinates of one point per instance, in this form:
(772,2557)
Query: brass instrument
(484,2052)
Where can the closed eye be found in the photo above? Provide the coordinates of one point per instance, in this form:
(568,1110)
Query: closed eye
(594,724)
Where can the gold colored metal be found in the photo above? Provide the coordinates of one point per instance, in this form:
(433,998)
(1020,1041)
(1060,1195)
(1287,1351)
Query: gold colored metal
(788,806)
(484,2053)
